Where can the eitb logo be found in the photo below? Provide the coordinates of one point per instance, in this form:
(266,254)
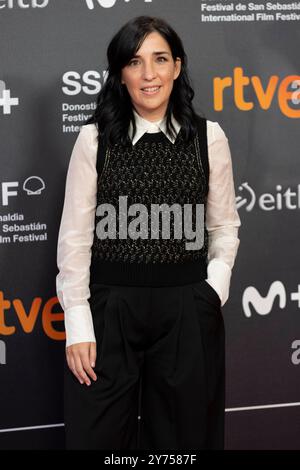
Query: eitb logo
(106,3)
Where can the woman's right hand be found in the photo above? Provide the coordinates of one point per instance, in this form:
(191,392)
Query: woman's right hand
(81,357)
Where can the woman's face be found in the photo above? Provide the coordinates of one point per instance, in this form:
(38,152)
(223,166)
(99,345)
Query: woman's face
(152,66)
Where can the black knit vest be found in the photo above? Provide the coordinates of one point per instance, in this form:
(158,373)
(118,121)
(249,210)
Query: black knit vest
(153,171)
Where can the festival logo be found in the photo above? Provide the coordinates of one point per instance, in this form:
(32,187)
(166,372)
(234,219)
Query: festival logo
(106,3)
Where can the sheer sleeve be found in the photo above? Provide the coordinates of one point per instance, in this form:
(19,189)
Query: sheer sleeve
(222,218)
(76,237)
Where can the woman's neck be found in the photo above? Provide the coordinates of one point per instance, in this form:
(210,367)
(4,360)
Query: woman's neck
(151,117)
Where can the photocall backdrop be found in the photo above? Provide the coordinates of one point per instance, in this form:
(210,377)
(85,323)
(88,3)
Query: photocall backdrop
(243,58)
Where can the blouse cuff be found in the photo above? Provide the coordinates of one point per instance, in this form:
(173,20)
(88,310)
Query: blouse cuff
(79,325)
(219,276)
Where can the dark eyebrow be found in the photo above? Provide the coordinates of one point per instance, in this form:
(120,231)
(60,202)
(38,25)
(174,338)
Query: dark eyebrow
(156,53)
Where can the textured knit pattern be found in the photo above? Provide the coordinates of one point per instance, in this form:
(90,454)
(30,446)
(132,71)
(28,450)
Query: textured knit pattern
(153,171)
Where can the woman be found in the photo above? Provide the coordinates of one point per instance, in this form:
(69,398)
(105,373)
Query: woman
(144,328)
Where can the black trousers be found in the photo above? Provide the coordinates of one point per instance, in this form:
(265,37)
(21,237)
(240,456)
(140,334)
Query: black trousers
(160,367)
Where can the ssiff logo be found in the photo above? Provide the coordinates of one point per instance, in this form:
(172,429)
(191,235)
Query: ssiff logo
(33,186)
(6,100)
(106,3)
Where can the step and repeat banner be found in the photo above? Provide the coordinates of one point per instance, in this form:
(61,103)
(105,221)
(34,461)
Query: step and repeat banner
(243,59)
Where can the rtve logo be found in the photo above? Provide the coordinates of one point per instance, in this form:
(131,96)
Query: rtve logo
(23,4)
(15,318)
(6,101)
(106,3)
(27,320)
(263,305)
(265,95)
(282,199)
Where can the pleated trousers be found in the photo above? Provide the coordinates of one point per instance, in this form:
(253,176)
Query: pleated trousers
(160,371)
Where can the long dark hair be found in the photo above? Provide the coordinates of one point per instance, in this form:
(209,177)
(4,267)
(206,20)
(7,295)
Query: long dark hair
(113,112)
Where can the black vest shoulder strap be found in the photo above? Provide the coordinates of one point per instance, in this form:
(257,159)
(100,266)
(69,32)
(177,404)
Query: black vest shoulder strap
(100,156)
(202,134)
